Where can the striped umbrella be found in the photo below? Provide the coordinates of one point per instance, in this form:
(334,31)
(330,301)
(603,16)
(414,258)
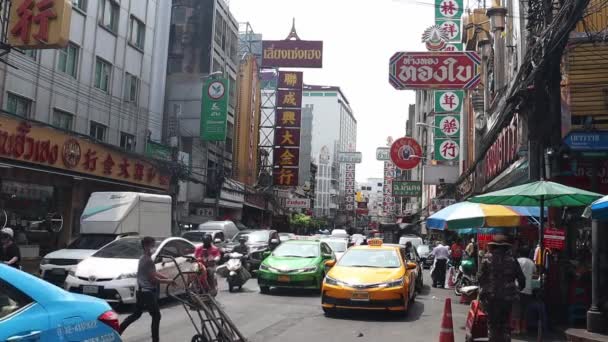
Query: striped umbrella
(474,215)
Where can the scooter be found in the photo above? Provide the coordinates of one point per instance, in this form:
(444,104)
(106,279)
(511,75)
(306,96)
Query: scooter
(465,275)
(236,275)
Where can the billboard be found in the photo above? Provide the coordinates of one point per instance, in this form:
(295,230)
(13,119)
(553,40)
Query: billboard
(434,70)
(350,157)
(297,203)
(41,24)
(407,188)
(383,153)
(292,53)
(214,109)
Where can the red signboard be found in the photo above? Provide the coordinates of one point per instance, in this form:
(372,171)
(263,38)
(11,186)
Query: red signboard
(434,70)
(290,80)
(289,98)
(406,153)
(289,137)
(503,151)
(286,156)
(288,117)
(292,53)
(555,239)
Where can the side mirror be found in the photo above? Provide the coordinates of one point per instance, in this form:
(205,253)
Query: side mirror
(217,241)
(411,265)
(330,263)
(275,241)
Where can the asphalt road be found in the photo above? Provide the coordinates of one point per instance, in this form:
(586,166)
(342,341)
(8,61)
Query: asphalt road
(297,316)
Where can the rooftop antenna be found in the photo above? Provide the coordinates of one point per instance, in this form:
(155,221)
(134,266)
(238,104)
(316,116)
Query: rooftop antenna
(293,35)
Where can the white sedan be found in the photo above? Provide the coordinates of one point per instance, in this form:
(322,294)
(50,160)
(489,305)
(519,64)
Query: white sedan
(338,245)
(111,273)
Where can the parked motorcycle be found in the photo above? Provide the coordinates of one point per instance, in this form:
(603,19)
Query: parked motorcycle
(234,271)
(465,275)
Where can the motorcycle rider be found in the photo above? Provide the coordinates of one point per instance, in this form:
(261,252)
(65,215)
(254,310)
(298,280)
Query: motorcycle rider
(243,249)
(209,255)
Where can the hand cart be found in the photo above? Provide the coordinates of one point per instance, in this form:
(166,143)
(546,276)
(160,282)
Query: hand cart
(215,325)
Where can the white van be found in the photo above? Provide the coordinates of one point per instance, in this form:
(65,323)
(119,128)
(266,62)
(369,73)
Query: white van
(107,217)
(227,227)
(415,240)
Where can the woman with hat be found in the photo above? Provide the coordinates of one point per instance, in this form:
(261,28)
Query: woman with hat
(498,272)
(9,251)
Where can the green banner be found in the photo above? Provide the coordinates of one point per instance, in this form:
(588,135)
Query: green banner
(214,109)
(448,9)
(158,151)
(452,28)
(453,47)
(407,188)
(447,149)
(448,101)
(447,126)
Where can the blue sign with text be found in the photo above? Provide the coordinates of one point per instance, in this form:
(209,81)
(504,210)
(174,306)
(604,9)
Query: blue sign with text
(587,141)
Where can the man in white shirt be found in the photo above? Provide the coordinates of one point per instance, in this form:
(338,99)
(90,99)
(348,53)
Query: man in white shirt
(441,255)
(527,267)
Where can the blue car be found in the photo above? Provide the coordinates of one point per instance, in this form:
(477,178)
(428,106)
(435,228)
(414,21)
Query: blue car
(34,310)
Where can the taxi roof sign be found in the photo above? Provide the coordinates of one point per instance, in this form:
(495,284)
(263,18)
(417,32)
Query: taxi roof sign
(306,238)
(374,242)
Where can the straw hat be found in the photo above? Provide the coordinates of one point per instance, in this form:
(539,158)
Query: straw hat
(500,240)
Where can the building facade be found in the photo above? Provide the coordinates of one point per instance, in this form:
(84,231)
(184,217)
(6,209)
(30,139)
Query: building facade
(81,118)
(203,43)
(334,130)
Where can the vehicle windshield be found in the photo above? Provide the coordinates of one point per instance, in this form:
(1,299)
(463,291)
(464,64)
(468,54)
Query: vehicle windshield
(260,236)
(91,241)
(377,258)
(196,236)
(123,249)
(337,246)
(423,249)
(300,250)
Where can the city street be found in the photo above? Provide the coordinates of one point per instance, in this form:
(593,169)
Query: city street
(296,316)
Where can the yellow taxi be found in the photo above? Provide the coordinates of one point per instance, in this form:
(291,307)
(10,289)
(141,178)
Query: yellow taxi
(372,277)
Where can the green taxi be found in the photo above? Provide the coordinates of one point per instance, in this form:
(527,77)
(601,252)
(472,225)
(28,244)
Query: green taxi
(295,264)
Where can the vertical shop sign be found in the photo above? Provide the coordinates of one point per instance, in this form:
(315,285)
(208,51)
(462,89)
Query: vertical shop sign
(349,187)
(448,101)
(448,9)
(39,24)
(214,111)
(286,155)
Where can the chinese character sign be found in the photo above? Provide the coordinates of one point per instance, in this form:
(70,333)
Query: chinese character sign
(388,202)
(447,150)
(290,80)
(447,126)
(39,24)
(349,187)
(214,109)
(288,117)
(451,28)
(448,101)
(448,9)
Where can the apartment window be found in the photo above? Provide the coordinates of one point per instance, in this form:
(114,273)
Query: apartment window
(109,15)
(98,131)
(18,105)
(131,88)
(62,119)
(33,54)
(127,141)
(80,4)
(138,32)
(68,59)
(103,71)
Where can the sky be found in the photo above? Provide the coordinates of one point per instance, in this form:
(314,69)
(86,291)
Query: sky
(359,37)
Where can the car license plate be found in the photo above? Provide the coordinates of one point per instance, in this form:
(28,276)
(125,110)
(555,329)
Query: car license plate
(284,279)
(88,289)
(58,271)
(360,296)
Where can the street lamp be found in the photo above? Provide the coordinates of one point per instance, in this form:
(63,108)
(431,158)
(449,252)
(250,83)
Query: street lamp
(426,125)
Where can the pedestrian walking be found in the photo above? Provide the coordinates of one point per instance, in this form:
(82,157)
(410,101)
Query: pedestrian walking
(148,281)
(456,251)
(9,251)
(441,254)
(525,296)
(498,290)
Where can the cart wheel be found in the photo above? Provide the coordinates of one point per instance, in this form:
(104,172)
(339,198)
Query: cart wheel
(198,338)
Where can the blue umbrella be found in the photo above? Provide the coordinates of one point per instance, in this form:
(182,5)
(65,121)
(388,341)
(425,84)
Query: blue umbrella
(599,209)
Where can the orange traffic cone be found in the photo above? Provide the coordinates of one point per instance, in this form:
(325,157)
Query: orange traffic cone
(447,331)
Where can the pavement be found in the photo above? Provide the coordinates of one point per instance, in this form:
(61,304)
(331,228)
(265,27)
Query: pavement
(296,316)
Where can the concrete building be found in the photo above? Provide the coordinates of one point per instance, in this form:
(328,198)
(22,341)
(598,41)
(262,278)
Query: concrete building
(372,190)
(334,130)
(204,40)
(109,82)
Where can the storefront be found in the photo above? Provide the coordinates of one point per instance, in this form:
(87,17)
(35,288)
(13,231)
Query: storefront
(255,214)
(47,175)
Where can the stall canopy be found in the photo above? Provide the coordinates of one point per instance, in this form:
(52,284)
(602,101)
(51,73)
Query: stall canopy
(466,215)
(599,209)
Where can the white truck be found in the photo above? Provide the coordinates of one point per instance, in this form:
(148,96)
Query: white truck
(107,217)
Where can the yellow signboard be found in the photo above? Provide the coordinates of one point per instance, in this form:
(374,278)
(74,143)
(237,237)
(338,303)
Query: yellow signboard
(33,143)
(39,24)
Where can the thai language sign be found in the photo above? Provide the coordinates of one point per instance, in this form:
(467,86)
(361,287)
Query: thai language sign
(34,143)
(297,203)
(434,70)
(214,109)
(407,188)
(292,53)
(383,153)
(350,157)
(39,24)
(503,151)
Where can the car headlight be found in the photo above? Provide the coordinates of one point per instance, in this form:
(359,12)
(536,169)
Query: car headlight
(72,272)
(331,281)
(306,269)
(127,276)
(395,283)
(264,267)
(45,261)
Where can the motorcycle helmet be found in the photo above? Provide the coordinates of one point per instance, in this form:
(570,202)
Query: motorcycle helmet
(242,239)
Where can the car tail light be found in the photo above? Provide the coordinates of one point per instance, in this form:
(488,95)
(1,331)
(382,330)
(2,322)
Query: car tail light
(110,318)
